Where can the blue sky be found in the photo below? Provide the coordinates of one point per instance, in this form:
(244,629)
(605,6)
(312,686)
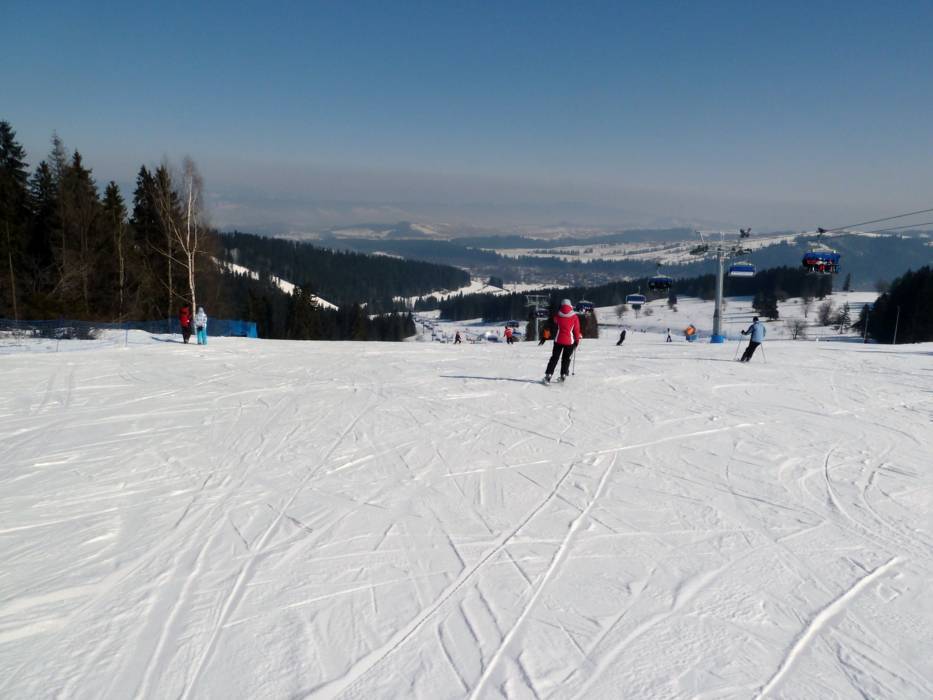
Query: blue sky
(304,114)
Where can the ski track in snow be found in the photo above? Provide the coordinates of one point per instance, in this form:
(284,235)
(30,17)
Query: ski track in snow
(323,520)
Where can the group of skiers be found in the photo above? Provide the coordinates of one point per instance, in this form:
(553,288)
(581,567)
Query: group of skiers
(565,329)
(199,322)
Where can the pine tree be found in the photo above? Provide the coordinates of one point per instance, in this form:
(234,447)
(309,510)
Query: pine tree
(147,239)
(81,208)
(13,212)
(844,318)
(359,323)
(303,317)
(114,266)
(859,325)
(168,213)
(765,303)
(58,162)
(45,208)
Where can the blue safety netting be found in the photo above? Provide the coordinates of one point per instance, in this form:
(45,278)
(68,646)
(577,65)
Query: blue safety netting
(48,334)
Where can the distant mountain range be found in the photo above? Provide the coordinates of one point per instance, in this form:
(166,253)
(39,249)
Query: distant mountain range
(594,257)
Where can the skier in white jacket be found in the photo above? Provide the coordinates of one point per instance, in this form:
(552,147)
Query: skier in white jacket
(200,324)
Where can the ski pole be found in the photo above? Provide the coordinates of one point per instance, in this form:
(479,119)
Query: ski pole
(573,370)
(737,348)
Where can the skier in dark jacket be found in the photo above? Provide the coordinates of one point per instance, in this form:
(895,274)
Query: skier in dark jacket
(184,319)
(621,337)
(757,333)
(567,339)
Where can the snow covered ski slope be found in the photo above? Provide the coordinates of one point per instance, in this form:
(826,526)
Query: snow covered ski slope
(263,519)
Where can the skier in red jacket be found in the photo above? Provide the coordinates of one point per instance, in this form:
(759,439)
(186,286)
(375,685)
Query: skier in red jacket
(567,338)
(184,319)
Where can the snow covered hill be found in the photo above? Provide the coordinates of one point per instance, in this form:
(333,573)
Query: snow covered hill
(284,285)
(418,520)
(656,316)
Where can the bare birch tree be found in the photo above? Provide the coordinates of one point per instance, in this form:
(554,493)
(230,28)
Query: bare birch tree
(183,219)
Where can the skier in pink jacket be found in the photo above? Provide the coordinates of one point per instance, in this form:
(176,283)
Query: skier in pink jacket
(567,338)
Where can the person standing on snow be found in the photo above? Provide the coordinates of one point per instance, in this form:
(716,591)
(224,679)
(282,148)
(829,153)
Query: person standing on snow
(508,335)
(669,340)
(546,332)
(457,338)
(567,339)
(757,332)
(184,320)
(200,323)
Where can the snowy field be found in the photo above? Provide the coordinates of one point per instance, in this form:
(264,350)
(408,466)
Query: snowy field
(265,519)
(736,316)
(657,317)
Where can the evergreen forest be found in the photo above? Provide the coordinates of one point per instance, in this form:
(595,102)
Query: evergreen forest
(69,250)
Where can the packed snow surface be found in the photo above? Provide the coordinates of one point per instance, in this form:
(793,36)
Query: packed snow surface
(265,519)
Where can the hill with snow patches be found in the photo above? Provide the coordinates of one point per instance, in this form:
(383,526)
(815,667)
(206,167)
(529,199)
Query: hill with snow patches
(257,518)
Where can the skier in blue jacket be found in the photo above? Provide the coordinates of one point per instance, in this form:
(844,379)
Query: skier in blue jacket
(757,333)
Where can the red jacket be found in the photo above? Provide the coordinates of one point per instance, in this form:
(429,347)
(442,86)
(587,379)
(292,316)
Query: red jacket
(568,326)
(184,317)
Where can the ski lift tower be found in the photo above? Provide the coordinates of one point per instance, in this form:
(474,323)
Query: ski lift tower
(537,302)
(724,252)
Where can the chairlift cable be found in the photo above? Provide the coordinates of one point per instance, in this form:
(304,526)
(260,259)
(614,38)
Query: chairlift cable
(901,227)
(877,221)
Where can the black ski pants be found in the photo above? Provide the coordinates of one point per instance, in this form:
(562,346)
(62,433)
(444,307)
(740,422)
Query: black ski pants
(562,353)
(750,350)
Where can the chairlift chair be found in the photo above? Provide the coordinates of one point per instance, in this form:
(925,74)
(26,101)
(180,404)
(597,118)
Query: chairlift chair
(821,258)
(635,300)
(821,261)
(584,307)
(660,283)
(741,268)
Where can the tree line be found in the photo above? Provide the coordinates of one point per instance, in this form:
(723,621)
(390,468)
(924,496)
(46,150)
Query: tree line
(903,313)
(69,252)
(341,277)
(66,251)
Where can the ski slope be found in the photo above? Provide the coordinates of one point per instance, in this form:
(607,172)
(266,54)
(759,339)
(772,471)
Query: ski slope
(267,519)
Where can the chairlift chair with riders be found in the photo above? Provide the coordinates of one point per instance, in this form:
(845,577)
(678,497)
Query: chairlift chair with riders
(659,282)
(821,259)
(584,307)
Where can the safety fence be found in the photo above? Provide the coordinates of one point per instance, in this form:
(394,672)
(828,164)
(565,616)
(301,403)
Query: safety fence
(47,335)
